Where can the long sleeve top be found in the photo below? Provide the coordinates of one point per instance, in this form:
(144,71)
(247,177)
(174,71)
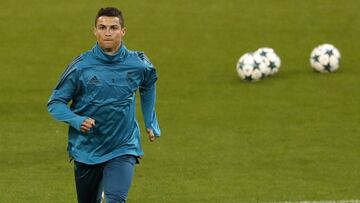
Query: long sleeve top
(103,87)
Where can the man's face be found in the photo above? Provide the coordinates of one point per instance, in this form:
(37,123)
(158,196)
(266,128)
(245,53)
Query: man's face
(109,33)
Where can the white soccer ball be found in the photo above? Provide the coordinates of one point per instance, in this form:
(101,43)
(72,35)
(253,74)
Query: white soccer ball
(325,58)
(248,68)
(261,64)
(270,58)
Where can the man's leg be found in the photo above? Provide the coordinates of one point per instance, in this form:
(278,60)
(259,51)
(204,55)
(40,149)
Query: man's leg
(88,179)
(117,178)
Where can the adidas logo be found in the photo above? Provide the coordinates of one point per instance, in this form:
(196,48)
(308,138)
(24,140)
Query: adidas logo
(94,80)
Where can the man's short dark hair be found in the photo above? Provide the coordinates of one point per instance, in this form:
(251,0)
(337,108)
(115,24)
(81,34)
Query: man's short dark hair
(112,12)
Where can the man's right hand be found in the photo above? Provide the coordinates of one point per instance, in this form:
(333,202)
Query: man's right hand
(87,125)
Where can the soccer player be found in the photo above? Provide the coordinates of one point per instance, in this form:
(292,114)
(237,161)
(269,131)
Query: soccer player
(104,136)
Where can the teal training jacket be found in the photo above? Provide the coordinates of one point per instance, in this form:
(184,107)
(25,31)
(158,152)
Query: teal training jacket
(103,87)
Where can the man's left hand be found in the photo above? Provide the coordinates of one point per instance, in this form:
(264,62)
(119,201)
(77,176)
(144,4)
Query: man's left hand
(151,135)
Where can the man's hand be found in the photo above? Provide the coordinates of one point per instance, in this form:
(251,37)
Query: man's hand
(87,125)
(150,135)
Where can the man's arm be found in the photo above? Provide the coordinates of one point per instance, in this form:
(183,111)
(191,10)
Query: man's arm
(148,110)
(61,96)
(148,95)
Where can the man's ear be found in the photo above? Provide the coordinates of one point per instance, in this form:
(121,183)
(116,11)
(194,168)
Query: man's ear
(123,31)
(94,30)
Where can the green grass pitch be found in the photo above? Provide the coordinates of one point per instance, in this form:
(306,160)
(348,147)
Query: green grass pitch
(291,137)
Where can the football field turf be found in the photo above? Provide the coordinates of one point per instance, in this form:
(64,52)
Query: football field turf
(291,137)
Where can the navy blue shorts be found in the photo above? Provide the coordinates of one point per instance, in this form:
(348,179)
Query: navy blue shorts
(113,177)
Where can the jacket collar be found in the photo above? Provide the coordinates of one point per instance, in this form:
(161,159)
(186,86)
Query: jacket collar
(116,57)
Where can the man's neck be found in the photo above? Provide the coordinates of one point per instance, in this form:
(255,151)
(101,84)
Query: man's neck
(110,51)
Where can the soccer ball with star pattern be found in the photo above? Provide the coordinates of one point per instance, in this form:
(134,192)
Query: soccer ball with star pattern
(325,58)
(249,67)
(270,58)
